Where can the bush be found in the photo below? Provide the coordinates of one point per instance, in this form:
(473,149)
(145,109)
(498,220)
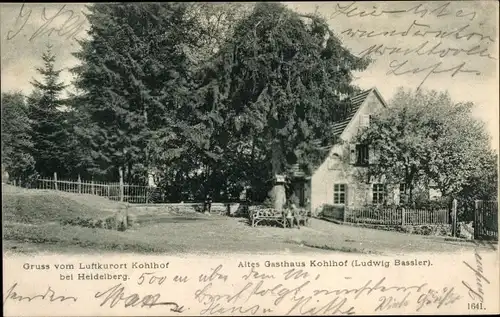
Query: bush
(441,203)
(332,211)
(427,230)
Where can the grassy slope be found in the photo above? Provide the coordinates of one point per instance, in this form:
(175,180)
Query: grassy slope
(34,216)
(39,206)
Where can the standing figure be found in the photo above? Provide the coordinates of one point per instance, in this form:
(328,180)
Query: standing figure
(290,214)
(208,204)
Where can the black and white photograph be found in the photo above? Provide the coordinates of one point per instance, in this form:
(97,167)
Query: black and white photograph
(268,128)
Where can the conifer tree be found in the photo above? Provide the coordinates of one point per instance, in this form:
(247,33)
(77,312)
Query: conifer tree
(136,85)
(17,146)
(48,123)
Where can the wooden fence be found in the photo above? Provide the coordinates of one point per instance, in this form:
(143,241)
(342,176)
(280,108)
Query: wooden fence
(118,191)
(397,216)
(486,220)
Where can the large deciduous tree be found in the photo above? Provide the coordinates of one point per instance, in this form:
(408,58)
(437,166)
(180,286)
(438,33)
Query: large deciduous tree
(273,92)
(425,135)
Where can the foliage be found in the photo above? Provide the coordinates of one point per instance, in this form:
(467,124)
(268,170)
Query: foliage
(332,212)
(135,83)
(272,93)
(481,185)
(48,123)
(17,146)
(425,136)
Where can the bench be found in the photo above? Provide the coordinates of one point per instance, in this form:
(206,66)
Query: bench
(299,216)
(267,215)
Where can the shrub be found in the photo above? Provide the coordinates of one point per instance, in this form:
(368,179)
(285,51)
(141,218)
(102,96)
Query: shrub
(332,211)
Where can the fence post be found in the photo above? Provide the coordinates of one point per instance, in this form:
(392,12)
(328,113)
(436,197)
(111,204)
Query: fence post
(476,222)
(121,184)
(454,218)
(55,180)
(79,184)
(92,188)
(403,216)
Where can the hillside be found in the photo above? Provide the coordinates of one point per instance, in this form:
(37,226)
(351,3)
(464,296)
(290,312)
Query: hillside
(32,206)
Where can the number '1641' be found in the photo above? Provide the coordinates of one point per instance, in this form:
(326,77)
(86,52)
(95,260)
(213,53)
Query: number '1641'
(475,306)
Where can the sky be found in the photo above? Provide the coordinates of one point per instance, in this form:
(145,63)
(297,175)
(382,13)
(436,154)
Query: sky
(432,45)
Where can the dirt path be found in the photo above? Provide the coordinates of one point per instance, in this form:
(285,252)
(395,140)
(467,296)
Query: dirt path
(219,234)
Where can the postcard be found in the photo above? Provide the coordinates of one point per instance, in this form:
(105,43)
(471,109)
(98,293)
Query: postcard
(266,158)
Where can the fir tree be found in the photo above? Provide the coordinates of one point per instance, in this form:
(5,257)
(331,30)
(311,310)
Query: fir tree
(135,82)
(48,123)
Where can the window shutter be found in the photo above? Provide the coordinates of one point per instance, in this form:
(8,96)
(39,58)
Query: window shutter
(396,195)
(352,153)
(374,155)
(371,154)
(346,195)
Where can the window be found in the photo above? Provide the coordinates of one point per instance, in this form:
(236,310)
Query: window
(402,188)
(339,193)
(403,195)
(362,154)
(334,161)
(364,120)
(379,193)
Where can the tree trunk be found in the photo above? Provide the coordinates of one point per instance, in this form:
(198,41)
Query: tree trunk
(129,173)
(410,196)
(278,192)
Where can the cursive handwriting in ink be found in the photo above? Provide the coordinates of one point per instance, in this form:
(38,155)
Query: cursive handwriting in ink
(422,49)
(215,302)
(351,10)
(476,293)
(49,295)
(70,28)
(295,274)
(440,11)
(333,307)
(214,275)
(22,15)
(416,29)
(397,68)
(152,279)
(256,275)
(391,302)
(116,295)
(440,298)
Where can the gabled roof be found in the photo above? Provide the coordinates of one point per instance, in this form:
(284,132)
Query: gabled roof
(357,102)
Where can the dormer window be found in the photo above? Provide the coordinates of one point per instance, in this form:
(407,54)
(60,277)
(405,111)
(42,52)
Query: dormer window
(364,120)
